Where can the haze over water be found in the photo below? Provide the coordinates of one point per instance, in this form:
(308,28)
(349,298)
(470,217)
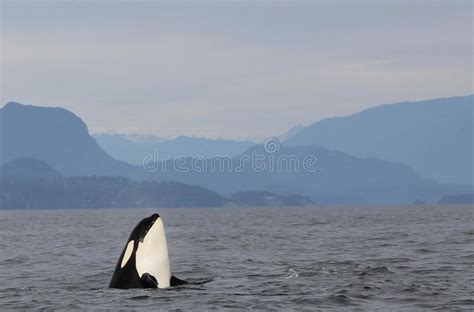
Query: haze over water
(368,258)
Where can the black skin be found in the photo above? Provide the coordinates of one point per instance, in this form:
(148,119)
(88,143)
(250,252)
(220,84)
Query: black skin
(127,277)
(148,281)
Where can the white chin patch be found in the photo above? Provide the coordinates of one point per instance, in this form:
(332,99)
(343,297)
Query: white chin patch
(152,255)
(128,253)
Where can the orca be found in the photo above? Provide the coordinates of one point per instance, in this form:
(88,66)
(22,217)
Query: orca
(144,262)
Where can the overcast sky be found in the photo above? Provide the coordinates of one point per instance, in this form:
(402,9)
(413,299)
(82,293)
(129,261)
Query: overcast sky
(231,70)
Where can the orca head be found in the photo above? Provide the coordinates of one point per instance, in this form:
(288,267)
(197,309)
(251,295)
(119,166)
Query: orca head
(138,235)
(143,227)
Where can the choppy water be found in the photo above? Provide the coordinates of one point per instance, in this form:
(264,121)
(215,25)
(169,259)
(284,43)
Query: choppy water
(368,258)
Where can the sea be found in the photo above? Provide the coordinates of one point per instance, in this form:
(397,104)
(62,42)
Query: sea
(372,258)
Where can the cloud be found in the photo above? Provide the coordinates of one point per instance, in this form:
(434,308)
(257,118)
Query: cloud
(143,71)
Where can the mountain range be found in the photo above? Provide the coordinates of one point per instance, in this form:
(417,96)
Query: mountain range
(135,150)
(28,183)
(56,136)
(334,178)
(342,175)
(434,137)
(102,192)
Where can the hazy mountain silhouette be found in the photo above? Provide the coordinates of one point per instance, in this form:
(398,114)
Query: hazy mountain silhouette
(57,137)
(195,146)
(134,151)
(125,149)
(338,177)
(435,137)
(28,168)
(102,192)
(291,132)
(60,139)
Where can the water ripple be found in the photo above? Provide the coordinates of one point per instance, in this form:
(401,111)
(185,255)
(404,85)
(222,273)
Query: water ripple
(246,259)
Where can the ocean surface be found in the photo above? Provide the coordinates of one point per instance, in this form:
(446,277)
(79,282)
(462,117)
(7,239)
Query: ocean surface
(351,258)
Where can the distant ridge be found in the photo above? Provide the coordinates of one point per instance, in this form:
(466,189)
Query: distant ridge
(26,167)
(60,139)
(338,178)
(101,192)
(57,137)
(435,137)
(134,151)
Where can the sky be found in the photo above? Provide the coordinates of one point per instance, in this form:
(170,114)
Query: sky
(230,69)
